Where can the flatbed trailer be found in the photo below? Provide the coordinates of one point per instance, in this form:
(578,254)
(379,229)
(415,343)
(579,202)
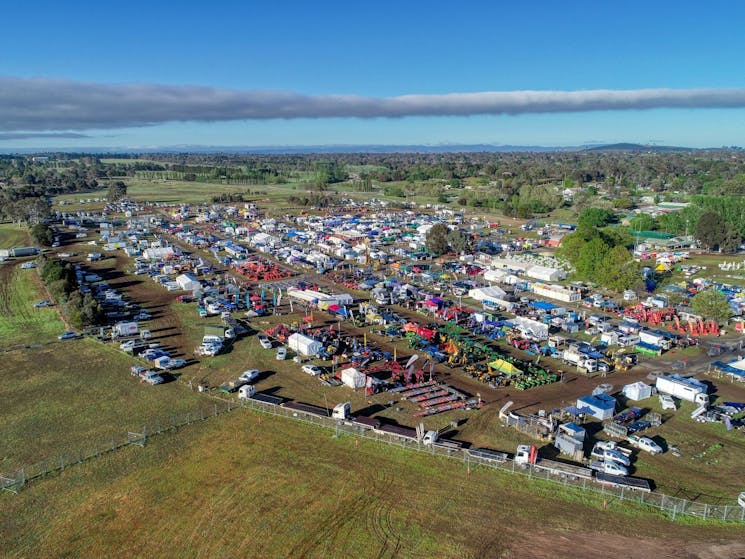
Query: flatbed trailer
(308,409)
(366,422)
(267,399)
(563,470)
(487,454)
(398,431)
(629,482)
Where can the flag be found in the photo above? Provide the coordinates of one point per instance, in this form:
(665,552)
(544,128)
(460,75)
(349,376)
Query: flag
(394,354)
(364,339)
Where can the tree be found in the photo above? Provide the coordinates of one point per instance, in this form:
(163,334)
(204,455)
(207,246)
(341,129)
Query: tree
(457,241)
(643,222)
(595,217)
(42,234)
(436,241)
(712,303)
(618,270)
(590,259)
(711,230)
(117,190)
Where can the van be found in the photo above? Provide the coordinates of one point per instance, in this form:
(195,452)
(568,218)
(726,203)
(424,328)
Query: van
(145,334)
(281,353)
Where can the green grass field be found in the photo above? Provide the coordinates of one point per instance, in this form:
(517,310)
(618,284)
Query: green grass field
(237,487)
(12,236)
(20,322)
(74,394)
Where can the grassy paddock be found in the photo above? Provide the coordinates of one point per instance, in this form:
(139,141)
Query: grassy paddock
(20,322)
(11,235)
(239,487)
(65,396)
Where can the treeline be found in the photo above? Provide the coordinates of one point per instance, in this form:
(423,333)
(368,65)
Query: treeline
(81,309)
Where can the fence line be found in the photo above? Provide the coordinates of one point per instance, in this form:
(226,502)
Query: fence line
(673,506)
(16,480)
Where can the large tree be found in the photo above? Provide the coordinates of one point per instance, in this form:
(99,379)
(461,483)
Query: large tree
(591,258)
(436,241)
(712,303)
(595,217)
(618,270)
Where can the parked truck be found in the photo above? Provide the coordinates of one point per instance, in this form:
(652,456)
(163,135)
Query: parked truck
(124,329)
(609,467)
(527,456)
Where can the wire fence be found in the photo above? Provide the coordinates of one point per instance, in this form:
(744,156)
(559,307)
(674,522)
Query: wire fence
(137,436)
(674,507)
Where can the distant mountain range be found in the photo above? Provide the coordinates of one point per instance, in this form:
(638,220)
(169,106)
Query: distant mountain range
(352,148)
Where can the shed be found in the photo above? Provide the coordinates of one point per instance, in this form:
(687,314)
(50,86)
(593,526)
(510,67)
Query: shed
(353,378)
(637,391)
(600,406)
(304,345)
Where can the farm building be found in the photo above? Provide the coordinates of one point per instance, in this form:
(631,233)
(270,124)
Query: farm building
(600,406)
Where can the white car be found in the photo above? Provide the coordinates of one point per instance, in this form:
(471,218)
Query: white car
(281,353)
(151,377)
(312,370)
(265,342)
(67,336)
(249,376)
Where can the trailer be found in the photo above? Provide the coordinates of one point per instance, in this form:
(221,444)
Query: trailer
(307,409)
(488,455)
(527,456)
(397,431)
(685,388)
(627,482)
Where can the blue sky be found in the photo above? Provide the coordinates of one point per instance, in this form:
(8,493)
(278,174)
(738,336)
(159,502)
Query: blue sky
(388,49)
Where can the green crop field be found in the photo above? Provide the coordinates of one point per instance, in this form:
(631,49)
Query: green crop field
(240,487)
(72,394)
(20,322)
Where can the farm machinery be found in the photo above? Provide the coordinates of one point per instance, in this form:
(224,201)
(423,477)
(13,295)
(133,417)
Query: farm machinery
(259,270)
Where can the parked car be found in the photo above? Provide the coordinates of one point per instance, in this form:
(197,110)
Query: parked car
(249,376)
(70,335)
(265,342)
(42,304)
(638,426)
(312,370)
(281,353)
(151,377)
(646,444)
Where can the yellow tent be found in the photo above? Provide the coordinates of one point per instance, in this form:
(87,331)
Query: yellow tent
(504,367)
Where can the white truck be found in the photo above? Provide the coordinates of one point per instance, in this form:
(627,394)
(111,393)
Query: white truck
(124,329)
(342,411)
(527,456)
(645,443)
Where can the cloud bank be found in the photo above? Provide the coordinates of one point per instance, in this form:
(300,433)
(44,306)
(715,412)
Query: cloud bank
(34,104)
(34,135)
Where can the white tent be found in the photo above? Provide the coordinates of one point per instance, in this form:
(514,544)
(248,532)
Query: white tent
(545,273)
(187,282)
(495,275)
(304,345)
(353,378)
(481,293)
(637,391)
